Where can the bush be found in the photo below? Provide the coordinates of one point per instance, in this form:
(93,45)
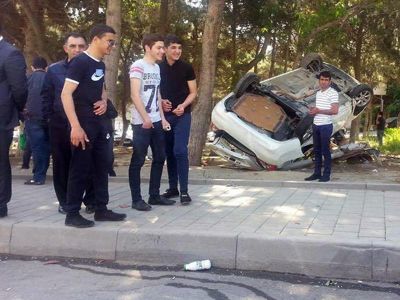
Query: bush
(391,141)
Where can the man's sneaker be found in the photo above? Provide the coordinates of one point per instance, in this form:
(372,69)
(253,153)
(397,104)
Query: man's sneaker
(324,179)
(3,212)
(170,193)
(61,210)
(141,205)
(108,215)
(76,220)
(160,200)
(185,199)
(89,209)
(312,177)
(33,182)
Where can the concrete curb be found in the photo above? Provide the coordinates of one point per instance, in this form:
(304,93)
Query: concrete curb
(266,183)
(366,260)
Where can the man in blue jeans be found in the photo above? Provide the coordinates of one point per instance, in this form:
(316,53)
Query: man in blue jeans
(35,125)
(178,91)
(148,123)
(327,104)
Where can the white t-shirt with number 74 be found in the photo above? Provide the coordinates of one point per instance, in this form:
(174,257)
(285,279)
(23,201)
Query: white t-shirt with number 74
(149,74)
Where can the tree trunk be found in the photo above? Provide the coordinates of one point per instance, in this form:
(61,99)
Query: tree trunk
(163,22)
(113,19)
(202,111)
(125,100)
(273,57)
(355,124)
(33,11)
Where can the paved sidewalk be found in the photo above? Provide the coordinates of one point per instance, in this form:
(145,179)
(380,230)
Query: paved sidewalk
(318,231)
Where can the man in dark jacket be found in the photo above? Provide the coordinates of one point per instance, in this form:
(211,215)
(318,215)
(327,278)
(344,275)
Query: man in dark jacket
(35,124)
(12,101)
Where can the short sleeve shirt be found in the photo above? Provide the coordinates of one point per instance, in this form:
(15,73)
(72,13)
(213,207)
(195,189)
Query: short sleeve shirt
(149,75)
(174,82)
(324,100)
(88,73)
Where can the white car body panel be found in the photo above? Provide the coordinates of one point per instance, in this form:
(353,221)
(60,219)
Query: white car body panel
(267,149)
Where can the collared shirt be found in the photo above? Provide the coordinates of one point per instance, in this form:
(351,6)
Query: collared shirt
(174,82)
(324,100)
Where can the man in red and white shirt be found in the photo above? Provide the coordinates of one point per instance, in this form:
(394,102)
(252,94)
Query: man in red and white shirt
(326,105)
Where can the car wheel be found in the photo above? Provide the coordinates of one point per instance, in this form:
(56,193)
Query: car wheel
(361,95)
(312,62)
(246,83)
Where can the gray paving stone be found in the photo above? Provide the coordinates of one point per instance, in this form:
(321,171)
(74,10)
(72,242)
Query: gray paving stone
(39,239)
(320,257)
(386,261)
(167,247)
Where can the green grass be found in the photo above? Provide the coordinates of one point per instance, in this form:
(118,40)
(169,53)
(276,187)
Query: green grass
(391,141)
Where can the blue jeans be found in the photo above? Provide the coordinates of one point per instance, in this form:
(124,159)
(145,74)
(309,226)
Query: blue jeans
(321,139)
(142,139)
(38,136)
(176,148)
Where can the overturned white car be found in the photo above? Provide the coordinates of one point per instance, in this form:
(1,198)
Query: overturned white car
(262,124)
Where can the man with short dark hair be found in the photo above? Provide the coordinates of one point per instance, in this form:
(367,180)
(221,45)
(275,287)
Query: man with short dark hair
(85,102)
(53,111)
(35,125)
(148,123)
(178,90)
(13,92)
(326,105)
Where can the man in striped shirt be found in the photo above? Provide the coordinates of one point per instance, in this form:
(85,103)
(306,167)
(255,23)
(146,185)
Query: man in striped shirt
(326,105)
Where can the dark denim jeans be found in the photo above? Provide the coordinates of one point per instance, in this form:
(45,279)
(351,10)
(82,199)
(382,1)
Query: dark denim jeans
(176,148)
(142,139)
(321,139)
(38,136)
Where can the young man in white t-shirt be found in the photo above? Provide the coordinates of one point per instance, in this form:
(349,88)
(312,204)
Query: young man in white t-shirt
(326,105)
(148,123)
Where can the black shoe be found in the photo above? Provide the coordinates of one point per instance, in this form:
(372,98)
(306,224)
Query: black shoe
(185,199)
(160,200)
(61,210)
(89,209)
(141,205)
(312,177)
(112,173)
(324,179)
(76,220)
(170,193)
(33,182)
(108,215)
(3,212)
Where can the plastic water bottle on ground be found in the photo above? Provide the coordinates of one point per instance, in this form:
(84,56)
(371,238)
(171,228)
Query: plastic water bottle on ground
(198,265)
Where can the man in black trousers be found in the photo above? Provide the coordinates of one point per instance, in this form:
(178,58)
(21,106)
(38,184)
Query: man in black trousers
(53,111)
(85,102)
(13,92)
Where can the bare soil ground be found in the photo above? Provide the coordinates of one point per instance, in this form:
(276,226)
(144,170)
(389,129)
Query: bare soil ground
(387,170)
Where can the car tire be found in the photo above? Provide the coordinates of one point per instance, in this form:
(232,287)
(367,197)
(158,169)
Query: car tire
(362,95)
(312,62)
(246,83)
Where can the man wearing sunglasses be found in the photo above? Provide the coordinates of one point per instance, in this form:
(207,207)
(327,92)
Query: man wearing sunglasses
(85,102)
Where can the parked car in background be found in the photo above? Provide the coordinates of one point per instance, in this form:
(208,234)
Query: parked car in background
(264,124)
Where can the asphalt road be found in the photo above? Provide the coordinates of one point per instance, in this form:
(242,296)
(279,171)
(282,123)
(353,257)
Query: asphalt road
(49,278)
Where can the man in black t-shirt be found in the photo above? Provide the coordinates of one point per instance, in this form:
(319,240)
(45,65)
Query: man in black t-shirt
(178,90)
(85,103)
